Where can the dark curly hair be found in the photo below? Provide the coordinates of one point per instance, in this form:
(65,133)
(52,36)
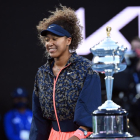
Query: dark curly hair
(66,18)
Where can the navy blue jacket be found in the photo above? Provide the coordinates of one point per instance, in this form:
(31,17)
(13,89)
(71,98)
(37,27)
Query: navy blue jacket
(77,95)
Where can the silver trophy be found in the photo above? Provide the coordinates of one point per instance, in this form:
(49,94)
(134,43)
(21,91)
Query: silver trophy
(110,120)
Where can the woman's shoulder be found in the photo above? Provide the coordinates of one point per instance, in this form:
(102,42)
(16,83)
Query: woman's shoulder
(84,61)
(42,68)
(86,65)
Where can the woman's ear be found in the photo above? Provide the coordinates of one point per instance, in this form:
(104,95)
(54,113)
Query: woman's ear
(69,41)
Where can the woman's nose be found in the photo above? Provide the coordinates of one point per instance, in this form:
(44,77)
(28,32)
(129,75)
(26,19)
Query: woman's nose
(50,42)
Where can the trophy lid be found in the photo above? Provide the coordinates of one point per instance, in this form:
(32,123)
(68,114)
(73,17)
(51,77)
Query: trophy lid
(108,54)
(107,46)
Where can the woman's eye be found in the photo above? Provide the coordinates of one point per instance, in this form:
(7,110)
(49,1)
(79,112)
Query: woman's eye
(46,40)
(54,39)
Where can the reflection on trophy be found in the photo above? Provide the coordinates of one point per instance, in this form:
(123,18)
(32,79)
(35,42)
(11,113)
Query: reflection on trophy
(110,120)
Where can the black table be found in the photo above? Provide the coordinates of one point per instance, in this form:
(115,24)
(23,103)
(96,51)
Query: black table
(134,138)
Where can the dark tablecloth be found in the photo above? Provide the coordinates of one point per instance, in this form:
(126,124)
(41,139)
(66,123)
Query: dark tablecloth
(134,138)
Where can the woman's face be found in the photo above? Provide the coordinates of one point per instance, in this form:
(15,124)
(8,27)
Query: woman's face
(57,46)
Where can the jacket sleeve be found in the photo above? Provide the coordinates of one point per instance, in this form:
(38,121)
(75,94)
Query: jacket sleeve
(40,127)
(89,100)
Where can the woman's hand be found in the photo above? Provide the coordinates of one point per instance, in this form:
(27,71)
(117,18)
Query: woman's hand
(73,138)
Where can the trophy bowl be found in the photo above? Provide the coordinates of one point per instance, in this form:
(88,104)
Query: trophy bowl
(109,120)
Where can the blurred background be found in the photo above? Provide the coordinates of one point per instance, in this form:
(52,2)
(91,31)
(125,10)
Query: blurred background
(22,54)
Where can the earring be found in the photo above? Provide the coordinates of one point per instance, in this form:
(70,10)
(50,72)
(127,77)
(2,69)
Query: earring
(72,51)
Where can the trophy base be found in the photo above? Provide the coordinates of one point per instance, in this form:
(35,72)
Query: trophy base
(124,135)
(110,124)
(109,105)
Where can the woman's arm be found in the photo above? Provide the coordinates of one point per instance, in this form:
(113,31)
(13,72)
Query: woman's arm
(40,127)
(81,133)
(88,101)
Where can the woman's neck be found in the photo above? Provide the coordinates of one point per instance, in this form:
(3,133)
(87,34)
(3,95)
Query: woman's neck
(62,61)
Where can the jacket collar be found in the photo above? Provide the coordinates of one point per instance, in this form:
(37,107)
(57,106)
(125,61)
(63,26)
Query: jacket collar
(47,66)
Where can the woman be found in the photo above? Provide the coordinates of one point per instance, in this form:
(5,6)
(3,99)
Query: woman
(66,89)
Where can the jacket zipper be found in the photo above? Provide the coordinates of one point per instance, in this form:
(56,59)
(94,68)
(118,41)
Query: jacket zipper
(55,80)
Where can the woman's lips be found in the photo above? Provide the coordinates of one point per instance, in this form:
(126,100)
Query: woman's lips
(52,50)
